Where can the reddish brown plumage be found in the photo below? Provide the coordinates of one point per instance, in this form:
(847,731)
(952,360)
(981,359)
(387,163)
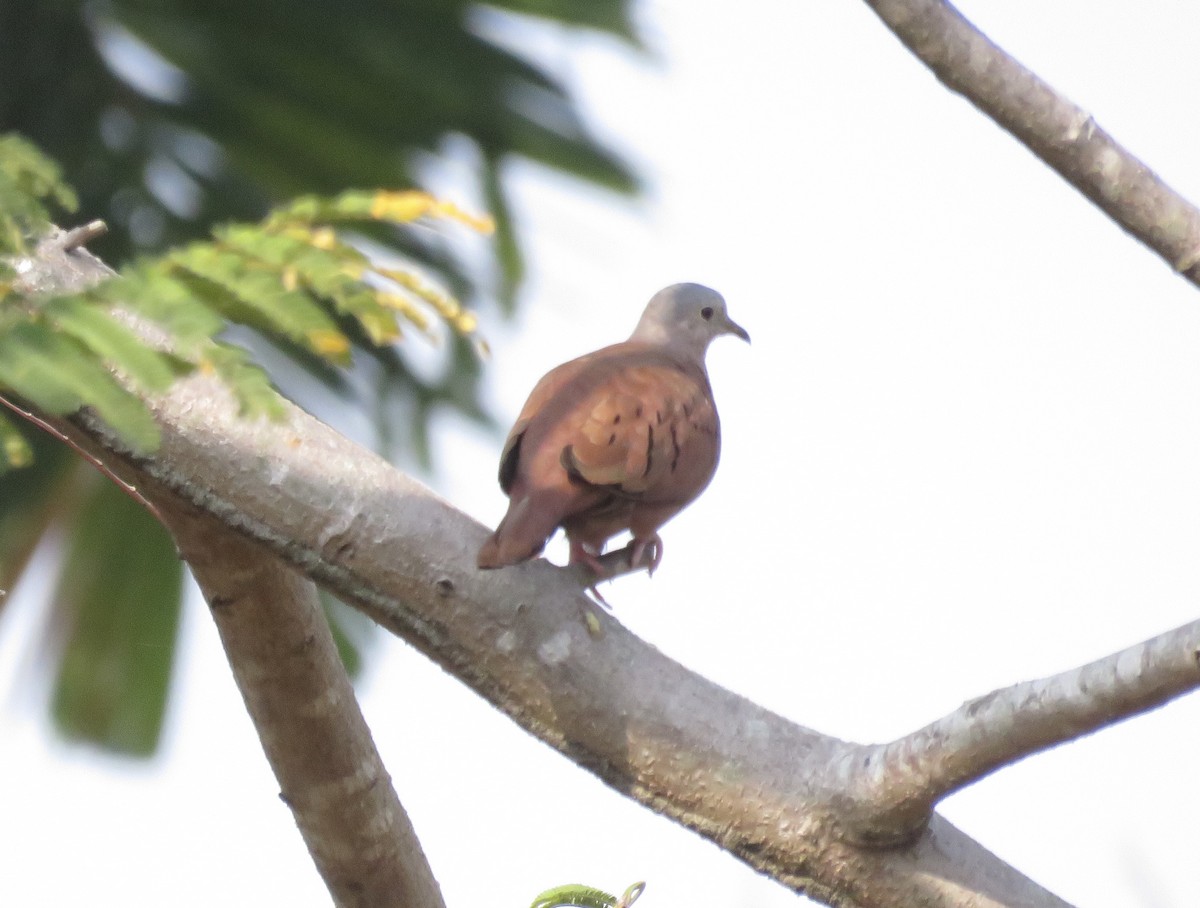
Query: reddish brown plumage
(620,439)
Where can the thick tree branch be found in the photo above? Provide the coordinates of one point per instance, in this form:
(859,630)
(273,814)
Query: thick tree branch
(892,788)
(304,710)
(531,643)
(1063,135)
(526,639)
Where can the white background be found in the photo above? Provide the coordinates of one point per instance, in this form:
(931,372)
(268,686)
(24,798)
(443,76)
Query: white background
(962,452)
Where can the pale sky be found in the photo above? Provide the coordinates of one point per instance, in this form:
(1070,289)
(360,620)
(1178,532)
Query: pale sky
(961,453)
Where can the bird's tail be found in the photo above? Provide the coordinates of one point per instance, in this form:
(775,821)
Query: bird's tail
(522,534)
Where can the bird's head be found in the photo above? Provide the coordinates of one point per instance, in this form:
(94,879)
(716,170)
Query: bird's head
(687,317)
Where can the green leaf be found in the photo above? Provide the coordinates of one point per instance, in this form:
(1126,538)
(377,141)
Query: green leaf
(15,451)
(332,272)
(34,174)
(253,389)
(60,375)
(606,15)
(508,251)
(29,499)
(117,346)
(575,895)
(258,297)
(28,181)
(120,595)
(149,288)
(353,632)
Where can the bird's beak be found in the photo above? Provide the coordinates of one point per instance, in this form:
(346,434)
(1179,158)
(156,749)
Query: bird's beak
(732,327)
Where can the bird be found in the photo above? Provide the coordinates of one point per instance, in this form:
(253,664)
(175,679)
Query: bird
(617,440)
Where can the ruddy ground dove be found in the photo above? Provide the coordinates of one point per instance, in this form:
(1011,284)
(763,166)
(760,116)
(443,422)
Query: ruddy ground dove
(620,439)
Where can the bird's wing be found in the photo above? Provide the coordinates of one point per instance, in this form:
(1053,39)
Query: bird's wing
(543,393)
(646,428)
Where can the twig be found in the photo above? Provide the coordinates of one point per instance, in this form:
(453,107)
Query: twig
(80,236)
(128,488)
(1063,135)
(891,789)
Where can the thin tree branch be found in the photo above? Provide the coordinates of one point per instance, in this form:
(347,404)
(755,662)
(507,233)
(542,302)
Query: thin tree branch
(891,789)
(303,707)
(82,235)
(1063,135)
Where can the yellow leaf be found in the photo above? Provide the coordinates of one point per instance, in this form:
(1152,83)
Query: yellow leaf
(405,307)
(17,452)
(409,205)
(328,343)
(466,322)
(323,238)
(482,223)
(401,206)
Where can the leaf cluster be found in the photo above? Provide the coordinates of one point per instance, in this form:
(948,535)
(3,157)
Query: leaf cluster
(29,183)
(176,115)
(296,278)
(300,278)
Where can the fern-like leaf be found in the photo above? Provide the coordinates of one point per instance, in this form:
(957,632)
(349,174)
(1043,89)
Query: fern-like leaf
(60,375)
(28,182)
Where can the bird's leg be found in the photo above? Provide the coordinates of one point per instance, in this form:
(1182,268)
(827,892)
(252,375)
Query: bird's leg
(583,554)
(637,553)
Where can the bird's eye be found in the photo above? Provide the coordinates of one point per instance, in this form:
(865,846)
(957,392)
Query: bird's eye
(706,313)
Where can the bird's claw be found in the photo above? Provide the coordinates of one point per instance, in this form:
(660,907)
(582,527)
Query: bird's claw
(581,554)
(638,548)
(597,595)
(646,552)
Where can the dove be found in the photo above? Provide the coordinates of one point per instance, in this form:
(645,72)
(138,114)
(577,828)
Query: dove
(620,439)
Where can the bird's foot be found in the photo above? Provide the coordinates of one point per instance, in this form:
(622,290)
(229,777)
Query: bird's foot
(582,554)
(638,549)
(596,594)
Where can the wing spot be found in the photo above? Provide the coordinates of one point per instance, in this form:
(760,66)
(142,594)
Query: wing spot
(649,451)
(675,452)
(658,417)
(616,419)
(637,414)
(612,439)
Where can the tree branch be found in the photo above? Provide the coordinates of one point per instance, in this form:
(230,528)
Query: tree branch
(285,663)
(303,707)
(531,643)
(526,639)
(1063,135)
(892,788)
